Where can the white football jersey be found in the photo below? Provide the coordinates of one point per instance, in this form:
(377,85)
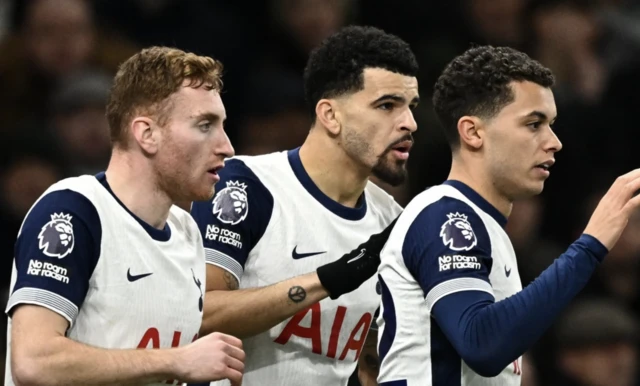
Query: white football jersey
(119,282)
(269,222)
(447,240)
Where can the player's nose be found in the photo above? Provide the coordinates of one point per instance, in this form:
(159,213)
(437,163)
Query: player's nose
(224,147)
(554,144)
(409,122)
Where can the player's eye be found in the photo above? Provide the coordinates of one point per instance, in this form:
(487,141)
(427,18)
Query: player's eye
(386,106)
(205,126)
(534,125)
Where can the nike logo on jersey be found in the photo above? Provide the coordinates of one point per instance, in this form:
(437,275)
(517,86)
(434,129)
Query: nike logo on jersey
(507,271)
(362,252)
(133,278)
(297,255)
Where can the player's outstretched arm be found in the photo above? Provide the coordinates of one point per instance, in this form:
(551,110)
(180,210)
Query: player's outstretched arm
(489,336)
(250,311)
(247,312)
(42,355)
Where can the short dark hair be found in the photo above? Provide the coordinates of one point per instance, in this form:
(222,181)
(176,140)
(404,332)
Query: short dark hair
(477,83)
(337,65)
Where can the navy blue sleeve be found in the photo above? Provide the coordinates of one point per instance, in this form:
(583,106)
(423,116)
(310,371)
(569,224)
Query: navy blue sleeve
(447,249)
(489,336)
(56,252)
(235,219)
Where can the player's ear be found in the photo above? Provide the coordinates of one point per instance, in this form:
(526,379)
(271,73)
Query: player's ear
(470,132)
(326,114)
(145,134)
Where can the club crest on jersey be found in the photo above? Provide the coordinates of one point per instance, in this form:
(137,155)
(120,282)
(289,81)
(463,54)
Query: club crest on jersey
(56,237)
(457,233)
(230,204)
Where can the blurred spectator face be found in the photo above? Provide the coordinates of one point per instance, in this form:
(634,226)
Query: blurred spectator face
(310,21)
(497,20)
(59,35)
(275,117)
(24,181)
(613,364)
(277,132)
(578,28)
(84,134)
(574,58)
(80,127)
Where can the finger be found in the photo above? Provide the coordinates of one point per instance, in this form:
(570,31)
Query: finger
(621,183)
(234,352)
(635,173)
(631,206)
(234,376)
(232,340)
(632,187)
(235,364)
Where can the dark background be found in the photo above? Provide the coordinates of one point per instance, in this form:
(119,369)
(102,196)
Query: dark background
(57,58)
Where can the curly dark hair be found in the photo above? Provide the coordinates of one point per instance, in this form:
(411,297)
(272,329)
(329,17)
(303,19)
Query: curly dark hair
(477,83)
(337,65)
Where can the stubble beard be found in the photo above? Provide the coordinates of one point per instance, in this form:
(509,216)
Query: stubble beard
(390,172)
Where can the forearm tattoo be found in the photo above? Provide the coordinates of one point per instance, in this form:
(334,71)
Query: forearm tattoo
(297,294)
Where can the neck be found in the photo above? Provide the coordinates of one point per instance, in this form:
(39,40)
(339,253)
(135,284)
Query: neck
(337,175)
(137,188)
(480,182)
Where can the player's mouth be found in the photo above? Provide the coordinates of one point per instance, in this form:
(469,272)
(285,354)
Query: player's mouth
(401,149)
(213,173)
(543,168)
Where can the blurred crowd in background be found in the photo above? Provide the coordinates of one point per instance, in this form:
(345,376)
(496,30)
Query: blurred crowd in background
(57,58)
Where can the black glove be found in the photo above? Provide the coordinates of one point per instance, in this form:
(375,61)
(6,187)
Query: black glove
(351,270)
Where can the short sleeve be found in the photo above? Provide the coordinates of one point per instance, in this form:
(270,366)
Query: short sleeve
(235,219)
(56,253)
(447,249)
